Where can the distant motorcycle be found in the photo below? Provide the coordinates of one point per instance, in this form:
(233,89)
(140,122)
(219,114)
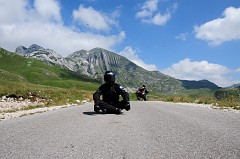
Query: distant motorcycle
(141,95)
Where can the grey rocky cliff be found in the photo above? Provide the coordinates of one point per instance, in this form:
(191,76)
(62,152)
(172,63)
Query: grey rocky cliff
(47,55)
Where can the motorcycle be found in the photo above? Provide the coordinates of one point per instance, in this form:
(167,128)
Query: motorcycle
(141,95)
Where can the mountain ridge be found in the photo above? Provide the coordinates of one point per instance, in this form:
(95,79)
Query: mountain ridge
(192,84)
(95,62)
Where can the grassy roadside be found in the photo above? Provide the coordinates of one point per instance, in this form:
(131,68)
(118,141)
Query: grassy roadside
(197,96)
(49,95)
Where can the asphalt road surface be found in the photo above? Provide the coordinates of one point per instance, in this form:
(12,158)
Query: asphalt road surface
(149,130)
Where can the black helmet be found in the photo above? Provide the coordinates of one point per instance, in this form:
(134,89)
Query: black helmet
(109,77)
(144,85)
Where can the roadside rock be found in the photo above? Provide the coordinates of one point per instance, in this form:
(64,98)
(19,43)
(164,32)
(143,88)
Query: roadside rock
(13,102)
(9,115)
(13,106)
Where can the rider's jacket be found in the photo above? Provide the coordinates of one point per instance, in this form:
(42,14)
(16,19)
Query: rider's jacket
(141,90)
(110,93)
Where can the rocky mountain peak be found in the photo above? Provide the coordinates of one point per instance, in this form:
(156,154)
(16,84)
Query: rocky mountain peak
(95,62)
(47,55)
(34,47)
(22,50)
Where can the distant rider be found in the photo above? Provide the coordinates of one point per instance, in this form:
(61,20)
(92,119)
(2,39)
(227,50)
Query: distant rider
(110,92)
(142,92)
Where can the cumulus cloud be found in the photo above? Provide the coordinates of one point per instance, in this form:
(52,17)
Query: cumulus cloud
(149,13)
(41,23)
(222,29)
(92,18)
(131,54)
(198,70)
(48,10)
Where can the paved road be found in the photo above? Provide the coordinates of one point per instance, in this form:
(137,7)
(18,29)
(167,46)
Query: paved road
(149,130)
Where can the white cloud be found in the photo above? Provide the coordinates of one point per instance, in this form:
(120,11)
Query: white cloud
(150,5)
(131,54)
(159,19)
(48,10)
(93,18)
(182,36)
(198,70)
(13,11)
(149,13)
(22,24)
(222,29)
(144,13)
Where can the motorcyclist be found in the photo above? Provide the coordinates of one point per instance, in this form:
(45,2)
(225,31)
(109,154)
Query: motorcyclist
(142,92)
(110,92)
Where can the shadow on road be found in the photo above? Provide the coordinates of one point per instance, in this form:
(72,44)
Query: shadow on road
(90,113)
(94,113)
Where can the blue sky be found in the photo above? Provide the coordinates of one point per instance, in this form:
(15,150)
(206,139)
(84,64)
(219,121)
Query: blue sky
(186,39)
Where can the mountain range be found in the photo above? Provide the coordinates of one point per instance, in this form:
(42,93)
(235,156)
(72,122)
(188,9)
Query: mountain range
(95,62)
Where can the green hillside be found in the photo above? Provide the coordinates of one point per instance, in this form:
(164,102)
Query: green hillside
(19,76)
